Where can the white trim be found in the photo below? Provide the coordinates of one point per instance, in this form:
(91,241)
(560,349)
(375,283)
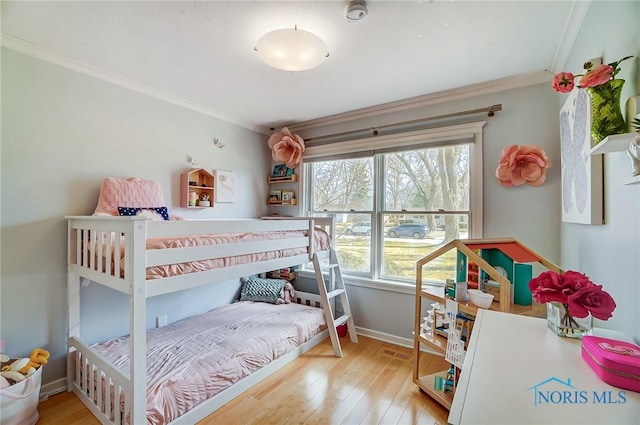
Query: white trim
(393,339)
(47,55)
(385,337)
(572,26)
(476,187)
(430,135)
(489,87)
(53,388)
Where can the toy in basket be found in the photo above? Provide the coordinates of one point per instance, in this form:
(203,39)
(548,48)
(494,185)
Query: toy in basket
(20,387)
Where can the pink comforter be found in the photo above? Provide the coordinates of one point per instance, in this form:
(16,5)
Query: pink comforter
(195,358)
(321,242)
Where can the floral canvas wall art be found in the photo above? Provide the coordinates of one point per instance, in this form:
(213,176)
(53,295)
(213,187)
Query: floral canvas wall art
(582,174)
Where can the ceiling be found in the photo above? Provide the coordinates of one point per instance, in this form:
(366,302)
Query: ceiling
(199,54)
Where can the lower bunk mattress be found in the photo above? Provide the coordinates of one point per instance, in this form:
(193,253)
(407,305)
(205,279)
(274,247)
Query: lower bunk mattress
(195,358)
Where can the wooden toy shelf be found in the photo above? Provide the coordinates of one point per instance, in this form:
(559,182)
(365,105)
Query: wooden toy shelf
(198,181)
(432,294)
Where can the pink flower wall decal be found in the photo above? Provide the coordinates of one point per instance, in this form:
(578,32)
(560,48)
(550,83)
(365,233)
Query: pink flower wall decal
(525,164)
(286,147)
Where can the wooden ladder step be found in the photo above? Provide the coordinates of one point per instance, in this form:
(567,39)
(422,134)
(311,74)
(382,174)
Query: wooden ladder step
(330,266)
(335,293)
(341,320)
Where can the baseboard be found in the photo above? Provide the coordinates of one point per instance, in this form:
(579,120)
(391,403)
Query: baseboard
(391,339)
(52,388)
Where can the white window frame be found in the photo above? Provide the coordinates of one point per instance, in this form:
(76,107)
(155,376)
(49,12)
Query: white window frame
(467,133)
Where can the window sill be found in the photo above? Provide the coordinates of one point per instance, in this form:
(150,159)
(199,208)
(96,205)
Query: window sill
(382,285)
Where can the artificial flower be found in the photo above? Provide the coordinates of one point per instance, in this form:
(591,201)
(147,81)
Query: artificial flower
(563,82)
(525,164)
(594,76)
(286,147)
(575,291)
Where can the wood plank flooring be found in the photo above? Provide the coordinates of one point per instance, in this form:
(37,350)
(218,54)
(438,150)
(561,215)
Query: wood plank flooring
(371,384)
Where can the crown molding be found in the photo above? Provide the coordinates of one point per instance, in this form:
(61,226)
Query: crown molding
(49,56)
(489,87)
(572,25)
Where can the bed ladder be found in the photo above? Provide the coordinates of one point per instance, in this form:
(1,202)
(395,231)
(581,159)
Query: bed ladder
(329,290)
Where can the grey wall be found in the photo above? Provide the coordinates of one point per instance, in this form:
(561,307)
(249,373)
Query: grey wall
(62,133)
(530,214)
(610,254)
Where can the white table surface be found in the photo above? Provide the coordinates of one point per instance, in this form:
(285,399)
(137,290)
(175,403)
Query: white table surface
(510,358)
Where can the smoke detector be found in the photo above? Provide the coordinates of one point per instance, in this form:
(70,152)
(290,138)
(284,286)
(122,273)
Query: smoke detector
(356,10)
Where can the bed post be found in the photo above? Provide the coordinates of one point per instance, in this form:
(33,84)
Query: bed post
(136,270)
(73,301)
(311,236)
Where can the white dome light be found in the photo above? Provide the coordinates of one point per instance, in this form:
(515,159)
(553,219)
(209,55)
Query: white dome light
(291,49)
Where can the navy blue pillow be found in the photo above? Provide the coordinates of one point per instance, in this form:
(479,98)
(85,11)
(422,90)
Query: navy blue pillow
(131,211)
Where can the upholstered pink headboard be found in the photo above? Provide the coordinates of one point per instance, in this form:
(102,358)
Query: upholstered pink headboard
(131,192)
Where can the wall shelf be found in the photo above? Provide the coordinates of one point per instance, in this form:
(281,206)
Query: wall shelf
(616,143)
(285,179)
(634,180)
(613,143)
(199,181)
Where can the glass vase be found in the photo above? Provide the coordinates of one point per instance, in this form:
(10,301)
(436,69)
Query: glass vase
(563,324)
(606,113)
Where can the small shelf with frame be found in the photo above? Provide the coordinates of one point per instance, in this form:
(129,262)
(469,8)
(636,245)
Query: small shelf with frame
(200,182)
(285,179)
(285,197)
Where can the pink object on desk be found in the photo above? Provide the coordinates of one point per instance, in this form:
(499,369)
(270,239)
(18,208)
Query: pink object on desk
(615,362)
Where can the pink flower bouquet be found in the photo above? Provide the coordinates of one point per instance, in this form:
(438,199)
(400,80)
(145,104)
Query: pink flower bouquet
(286,147)
(575,291)
(564,82)
(525,164)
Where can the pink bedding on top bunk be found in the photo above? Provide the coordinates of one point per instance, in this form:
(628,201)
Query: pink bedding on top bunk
(195,358)
(321,242)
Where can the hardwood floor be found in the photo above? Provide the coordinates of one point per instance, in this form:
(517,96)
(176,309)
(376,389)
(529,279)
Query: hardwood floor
(371,384)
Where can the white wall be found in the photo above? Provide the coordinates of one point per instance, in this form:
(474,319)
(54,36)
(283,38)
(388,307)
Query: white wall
(62,133)
(610,254)
(529,214)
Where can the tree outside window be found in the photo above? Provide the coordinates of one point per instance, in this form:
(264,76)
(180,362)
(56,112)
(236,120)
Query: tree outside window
(393,208)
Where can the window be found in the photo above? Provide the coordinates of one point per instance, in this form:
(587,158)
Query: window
(398,203)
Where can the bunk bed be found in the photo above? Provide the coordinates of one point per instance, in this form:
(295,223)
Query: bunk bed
(125,254)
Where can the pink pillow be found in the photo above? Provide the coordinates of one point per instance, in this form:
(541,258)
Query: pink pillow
(131,192)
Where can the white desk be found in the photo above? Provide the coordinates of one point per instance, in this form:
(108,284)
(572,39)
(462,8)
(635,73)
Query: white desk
(516,372)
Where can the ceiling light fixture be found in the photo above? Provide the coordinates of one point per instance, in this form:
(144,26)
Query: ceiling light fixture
(291,49)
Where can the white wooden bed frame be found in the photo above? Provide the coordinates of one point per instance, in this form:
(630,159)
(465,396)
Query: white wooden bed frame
(84,232)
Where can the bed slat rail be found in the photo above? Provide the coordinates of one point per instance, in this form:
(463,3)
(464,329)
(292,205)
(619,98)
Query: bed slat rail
(168,284)
(107,398)
(156,257)
(201,227)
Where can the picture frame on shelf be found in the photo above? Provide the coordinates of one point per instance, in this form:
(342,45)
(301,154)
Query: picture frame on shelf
(287,197)
(275,196)
(279,171)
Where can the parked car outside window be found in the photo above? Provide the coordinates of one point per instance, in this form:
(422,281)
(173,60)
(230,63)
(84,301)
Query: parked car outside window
(359,229)
(414,230)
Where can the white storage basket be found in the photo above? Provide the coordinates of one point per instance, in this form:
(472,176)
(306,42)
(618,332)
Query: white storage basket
(19,402)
